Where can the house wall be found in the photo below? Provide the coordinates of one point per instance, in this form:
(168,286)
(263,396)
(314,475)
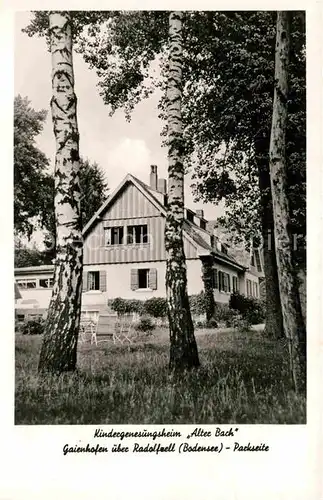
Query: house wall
(221,296)
(118,280)
(130,208)
(243,283)
(118,284)
(41,295)
(115,262)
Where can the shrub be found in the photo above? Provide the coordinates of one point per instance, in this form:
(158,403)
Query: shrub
(125,306)
(223,314)
(156,307)
(241,324)
(250,308)
(145,324)
(197,304)
(32,327)
(212,323)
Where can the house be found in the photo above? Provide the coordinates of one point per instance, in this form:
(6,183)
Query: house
(124,252)
(252,260)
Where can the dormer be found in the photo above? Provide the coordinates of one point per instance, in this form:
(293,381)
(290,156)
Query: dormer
(189,215)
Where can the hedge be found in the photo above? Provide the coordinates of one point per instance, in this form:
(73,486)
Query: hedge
(248,308)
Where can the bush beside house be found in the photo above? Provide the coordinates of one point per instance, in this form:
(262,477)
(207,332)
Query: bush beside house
(241,310)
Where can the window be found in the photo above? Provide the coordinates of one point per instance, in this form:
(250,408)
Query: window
(189,215)
(46,283)
(229,282)
(114,236)
(259,268)
(224,282)
(235,284)
(253,260)
(143,278)
(26,283)
(20,318)
(249,288)
(221,284)
(137,234)
(215,283)
(93,279)
(255,289)
(202,224)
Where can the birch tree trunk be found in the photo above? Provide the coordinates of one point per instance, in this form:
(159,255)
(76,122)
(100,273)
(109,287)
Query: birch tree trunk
(288,285)
(58,352)
(183,348)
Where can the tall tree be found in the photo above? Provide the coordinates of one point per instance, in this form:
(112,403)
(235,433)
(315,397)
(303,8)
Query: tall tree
(27,256)
(30,166)
(289,294)
(183,348)
(59,347)
(228,68)
(227,100)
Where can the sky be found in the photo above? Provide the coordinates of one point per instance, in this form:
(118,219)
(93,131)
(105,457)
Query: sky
(119,147)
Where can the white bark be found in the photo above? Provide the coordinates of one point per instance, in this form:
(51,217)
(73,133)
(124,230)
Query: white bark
(183,349)
(288,286)
(58,351)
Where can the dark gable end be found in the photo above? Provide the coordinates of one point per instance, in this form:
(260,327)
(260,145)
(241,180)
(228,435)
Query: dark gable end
(145,191)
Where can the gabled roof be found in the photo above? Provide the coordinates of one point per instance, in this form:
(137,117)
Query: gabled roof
(189,228)
(190,233)
(146,191)
(129,178)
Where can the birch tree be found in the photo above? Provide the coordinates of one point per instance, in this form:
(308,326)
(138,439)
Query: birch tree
(183,348)
(58,352)
(288,287)
(232,109)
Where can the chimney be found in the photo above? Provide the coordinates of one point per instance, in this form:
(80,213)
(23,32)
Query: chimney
(200,214)
(162,186)
(153,177)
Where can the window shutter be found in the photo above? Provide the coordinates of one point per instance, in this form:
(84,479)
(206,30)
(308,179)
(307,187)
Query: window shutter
(229,282)
(134,281)
(220,281)
(215,278)
(107,236)
(225,282)
(103,280)
(152,279)
(84,282)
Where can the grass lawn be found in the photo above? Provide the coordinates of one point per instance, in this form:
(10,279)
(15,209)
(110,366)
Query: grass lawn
(243,379)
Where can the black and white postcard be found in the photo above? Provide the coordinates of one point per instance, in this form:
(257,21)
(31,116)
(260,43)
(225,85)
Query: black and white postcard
(161,250)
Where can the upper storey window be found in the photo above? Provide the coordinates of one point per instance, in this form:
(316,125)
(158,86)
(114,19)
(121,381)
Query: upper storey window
(114,235)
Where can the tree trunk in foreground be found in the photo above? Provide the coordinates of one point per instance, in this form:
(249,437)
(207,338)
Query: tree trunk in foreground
(289,294)
(58,352)
(207,276)
(274,320)
(183,348)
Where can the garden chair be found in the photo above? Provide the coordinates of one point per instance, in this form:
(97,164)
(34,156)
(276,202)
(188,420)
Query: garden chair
(105,328)
(87,330)
(124,330)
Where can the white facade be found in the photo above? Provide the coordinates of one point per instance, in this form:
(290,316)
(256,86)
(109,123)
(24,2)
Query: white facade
(118,284)
(116,266)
